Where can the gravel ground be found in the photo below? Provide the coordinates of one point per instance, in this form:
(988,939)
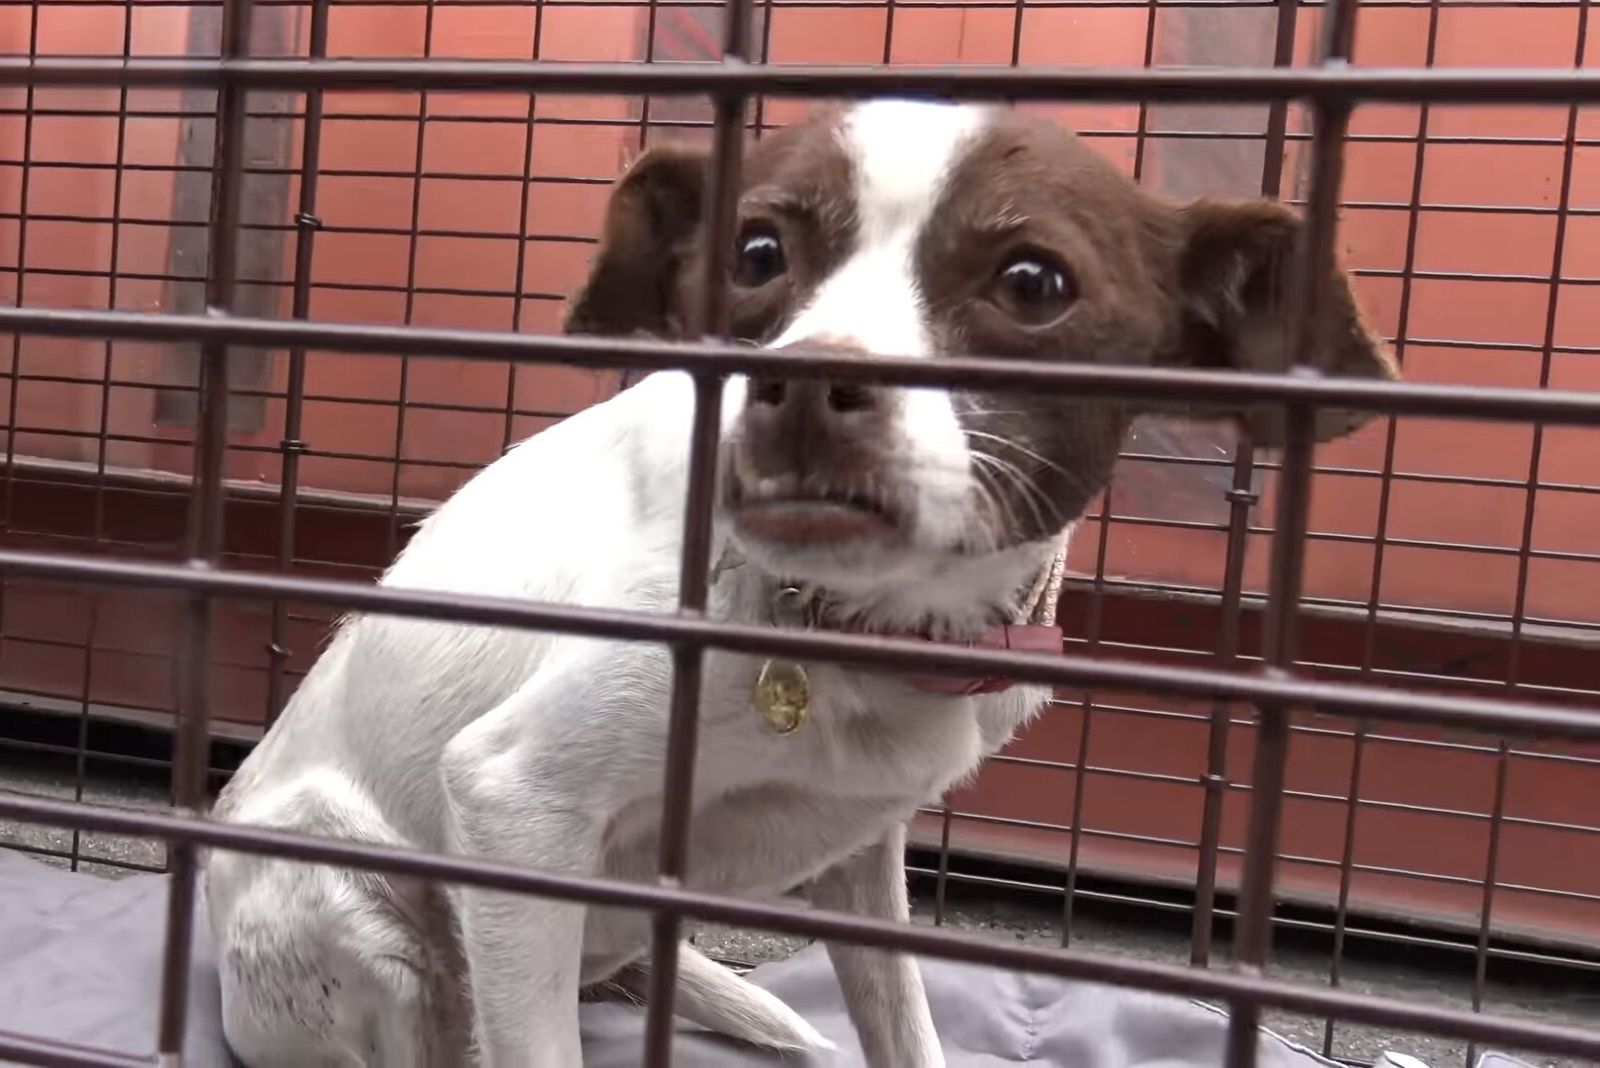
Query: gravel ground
(1567,998)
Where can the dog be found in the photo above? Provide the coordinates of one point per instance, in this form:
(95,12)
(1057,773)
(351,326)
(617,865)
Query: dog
(908,228)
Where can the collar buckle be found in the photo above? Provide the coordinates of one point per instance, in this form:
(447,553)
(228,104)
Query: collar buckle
(796,607)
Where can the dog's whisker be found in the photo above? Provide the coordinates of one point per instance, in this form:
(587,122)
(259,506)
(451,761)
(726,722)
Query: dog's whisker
(1028,490)
(1039,495)
(995,506)
(1042,460)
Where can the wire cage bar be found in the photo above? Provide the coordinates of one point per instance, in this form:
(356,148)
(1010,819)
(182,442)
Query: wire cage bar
(1331,83)
(738,85)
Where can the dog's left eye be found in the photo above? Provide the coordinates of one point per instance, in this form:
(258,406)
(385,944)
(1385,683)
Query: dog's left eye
(761,258)
(1033,290)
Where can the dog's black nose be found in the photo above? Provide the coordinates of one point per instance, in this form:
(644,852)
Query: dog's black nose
(850,397)
(825,398)
(806,426)
(841,398)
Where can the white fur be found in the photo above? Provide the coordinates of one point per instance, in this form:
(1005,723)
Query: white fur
(546,749)
(902,153)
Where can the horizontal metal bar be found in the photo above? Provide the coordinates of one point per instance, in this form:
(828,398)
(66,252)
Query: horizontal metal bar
(178,484)
(1384,608)
(1063,767)
(1151,133)
(954,5)
(355,400)
(84,856)
(27,1049)
(1167,979)
(845,5)
(1280,922)
(891,653)
(510,237)
(1186,387)
(1347,85)
(554,297)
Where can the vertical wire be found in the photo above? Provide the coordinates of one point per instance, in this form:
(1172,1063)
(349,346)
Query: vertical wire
(1502,771)
(941,883)
(24,185)
(80,771)
(518,298)
(403,398)
(293,447)
(1092,635)
(1241,497)
(630,375)
(1380,539)
(1095,624)
(651,28)
(759,121)
(203,542)
(1314,266)
(688,659)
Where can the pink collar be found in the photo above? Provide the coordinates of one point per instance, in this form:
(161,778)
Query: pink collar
(801,607)
(1019,637)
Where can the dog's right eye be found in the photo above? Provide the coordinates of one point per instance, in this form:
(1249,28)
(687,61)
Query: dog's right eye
(1033,289)
(760,258)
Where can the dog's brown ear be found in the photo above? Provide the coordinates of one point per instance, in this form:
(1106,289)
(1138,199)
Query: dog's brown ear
(1235,272)
(653,210)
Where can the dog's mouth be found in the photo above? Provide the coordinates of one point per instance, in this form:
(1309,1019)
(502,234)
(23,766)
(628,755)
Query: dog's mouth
(788,511)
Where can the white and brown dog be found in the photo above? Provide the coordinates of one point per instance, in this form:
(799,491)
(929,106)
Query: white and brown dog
(911,229)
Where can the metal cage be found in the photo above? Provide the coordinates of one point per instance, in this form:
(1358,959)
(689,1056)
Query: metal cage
(225,330)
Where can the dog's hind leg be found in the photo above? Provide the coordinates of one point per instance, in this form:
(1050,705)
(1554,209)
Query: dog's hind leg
(716,998)
(318,974)
(323,967)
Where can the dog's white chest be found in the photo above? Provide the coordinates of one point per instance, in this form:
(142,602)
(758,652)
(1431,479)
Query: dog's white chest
(859,735)
(867,752)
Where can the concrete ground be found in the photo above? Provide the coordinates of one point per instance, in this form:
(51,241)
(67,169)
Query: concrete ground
(1566,998)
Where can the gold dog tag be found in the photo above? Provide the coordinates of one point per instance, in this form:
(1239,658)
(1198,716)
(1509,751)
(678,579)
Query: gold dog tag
(783,694)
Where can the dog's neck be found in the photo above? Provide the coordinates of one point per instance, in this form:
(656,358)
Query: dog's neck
(1024,621)
(1028,587)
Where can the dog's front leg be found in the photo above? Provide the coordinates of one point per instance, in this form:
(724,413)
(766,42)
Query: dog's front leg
(523,952)
(532,783)
(882,991)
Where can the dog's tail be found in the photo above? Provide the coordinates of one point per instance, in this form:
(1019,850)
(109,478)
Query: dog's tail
(714,997)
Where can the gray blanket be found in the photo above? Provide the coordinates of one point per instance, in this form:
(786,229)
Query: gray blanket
(80,960)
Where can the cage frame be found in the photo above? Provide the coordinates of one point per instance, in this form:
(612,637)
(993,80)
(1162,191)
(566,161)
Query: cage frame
(1331,88)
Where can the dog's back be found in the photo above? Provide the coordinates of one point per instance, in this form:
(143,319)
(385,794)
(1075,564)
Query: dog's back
(320,959)
(567,517)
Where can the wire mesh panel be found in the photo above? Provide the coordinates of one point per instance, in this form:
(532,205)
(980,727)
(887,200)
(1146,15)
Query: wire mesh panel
(235,220)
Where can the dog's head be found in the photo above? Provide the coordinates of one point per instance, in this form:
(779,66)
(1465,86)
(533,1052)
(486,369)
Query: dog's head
(921,229)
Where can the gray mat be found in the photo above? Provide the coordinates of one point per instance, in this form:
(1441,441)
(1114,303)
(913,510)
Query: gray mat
(80,961)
